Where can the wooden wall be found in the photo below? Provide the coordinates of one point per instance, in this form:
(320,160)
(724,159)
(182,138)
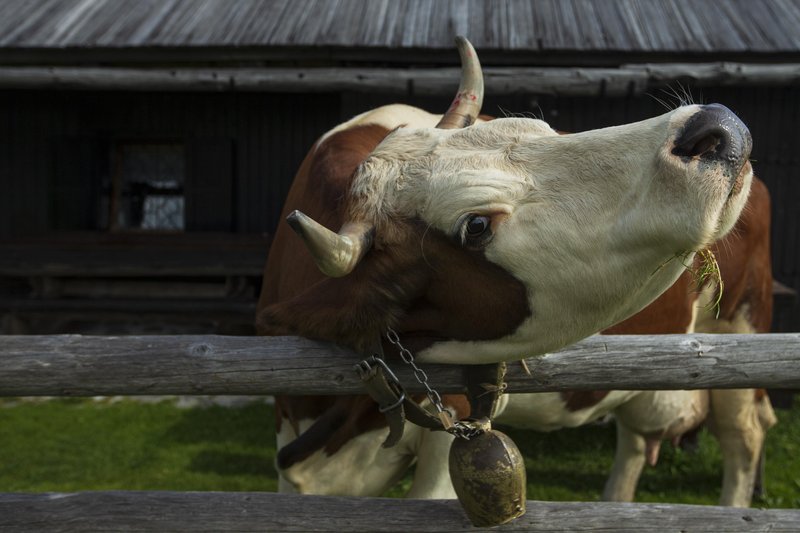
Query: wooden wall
(242,151)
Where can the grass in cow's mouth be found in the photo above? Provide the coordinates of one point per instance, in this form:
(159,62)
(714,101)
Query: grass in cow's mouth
(707,270)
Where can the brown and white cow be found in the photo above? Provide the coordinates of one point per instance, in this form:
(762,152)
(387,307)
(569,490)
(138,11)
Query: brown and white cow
(481,244)
(738,418)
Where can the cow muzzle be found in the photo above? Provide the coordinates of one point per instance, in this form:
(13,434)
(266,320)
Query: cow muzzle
(714,134)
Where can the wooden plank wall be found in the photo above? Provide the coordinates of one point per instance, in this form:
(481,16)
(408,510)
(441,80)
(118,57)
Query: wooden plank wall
(56,144)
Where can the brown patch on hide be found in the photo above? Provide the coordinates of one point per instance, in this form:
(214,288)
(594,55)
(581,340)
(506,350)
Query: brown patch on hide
(361,416)
(293,409)
(356,309)
(338,421)
(467,297)
(577,400)
(759,395)
(745,262)
(458,403)
(669,313)
(318,190)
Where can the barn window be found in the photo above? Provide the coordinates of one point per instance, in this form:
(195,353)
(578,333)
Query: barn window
(147,187)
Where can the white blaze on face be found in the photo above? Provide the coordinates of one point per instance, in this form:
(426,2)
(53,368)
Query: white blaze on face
(587,222)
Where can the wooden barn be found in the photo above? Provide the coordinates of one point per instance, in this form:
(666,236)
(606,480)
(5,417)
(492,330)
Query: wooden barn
(147,145)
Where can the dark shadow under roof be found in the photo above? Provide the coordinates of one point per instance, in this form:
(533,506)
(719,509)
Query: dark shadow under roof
(528,31)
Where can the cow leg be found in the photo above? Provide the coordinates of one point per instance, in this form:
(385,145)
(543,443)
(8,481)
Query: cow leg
(628,464)
(759,485)
(767,419)
(284,436)
(739,422)
(432,475)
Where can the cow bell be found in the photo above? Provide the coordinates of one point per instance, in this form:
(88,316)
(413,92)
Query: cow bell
(488,474)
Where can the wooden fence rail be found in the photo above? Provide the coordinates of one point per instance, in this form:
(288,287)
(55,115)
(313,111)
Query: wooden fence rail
(586,81)
(72,365)
(248,511)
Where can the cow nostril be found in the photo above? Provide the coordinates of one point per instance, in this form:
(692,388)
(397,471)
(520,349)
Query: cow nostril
(697,145)
(713,133)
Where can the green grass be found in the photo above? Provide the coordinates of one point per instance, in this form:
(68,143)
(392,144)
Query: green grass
(572,465)
(69,445)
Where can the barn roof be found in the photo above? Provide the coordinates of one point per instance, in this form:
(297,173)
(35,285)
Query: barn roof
(504,31)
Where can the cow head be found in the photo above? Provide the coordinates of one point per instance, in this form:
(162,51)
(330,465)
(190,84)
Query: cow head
(504,239)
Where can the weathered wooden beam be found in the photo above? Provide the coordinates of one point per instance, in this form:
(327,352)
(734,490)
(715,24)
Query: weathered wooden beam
(586,81)
(190,308)
(249,511)
(74,365)
(84,257)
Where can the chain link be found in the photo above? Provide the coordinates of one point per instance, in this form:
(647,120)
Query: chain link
(460,429)
(419,374)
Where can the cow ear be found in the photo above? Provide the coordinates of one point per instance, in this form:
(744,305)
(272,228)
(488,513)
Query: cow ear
(354,309)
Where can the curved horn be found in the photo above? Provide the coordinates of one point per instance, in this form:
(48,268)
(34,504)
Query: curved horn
(468,101)
(336,255)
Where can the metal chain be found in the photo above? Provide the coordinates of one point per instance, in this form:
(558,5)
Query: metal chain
(458,428)
(422,377)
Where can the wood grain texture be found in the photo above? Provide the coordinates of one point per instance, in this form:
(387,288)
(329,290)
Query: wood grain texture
(627,79)
(248,511)
(530,25)
(74,365)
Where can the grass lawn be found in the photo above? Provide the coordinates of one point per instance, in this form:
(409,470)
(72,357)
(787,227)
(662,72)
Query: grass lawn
(70,445)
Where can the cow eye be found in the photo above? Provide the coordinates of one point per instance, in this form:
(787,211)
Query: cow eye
(476,231)
(477,225)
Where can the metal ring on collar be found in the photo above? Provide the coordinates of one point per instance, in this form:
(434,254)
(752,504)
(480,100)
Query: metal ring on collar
(395,405)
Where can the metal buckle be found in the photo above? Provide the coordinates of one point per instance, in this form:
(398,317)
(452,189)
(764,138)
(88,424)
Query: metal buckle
(366,366)
(365,369)
(395,405)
